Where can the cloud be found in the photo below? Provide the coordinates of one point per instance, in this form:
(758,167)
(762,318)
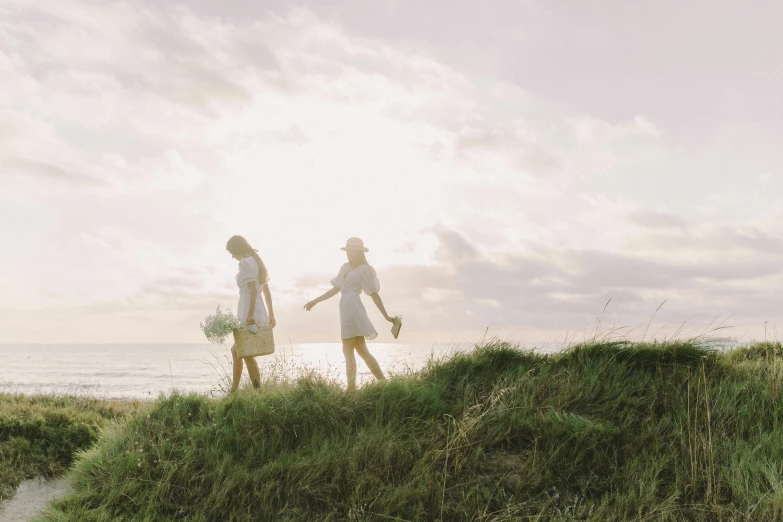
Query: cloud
(549,290)
(453,247)
(483,204)
(730,241)
(653,219)
(47,171)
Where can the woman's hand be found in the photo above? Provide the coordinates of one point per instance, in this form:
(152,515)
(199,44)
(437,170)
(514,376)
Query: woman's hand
(309,306)
(391,319)
(250,320)
(272,321)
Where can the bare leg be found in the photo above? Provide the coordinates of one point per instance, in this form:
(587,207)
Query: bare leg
(253,372)
(372,364)
(237,369)
(350,362)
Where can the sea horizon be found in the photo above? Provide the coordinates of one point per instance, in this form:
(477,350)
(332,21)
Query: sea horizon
(145,370)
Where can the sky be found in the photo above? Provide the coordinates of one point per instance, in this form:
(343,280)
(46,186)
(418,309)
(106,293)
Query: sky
(527,170)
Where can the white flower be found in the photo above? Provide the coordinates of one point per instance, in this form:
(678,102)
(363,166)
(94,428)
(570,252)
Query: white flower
(219,326)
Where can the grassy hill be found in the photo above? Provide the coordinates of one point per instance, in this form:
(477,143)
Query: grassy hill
(611,431)
(40,436)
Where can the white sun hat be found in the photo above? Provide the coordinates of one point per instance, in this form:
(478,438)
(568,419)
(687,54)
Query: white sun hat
(354,243)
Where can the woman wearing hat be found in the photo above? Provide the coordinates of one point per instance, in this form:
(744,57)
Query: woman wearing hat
(354,277)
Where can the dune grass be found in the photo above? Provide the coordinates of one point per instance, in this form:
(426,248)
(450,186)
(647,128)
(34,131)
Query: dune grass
(41,435)
(606,431)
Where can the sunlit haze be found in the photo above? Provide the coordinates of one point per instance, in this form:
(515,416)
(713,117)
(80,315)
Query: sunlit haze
(512,166)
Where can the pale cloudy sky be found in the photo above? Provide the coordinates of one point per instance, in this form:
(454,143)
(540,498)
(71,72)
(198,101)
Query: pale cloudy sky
(510,164)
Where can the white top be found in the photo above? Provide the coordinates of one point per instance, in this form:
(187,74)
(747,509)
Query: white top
(360,279)
(248,273)
(353,316)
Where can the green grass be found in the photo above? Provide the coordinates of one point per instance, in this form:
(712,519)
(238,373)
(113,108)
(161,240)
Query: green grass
(607,431)
(41,435)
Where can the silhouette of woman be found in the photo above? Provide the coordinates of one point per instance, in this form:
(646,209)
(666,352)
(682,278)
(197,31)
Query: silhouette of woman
(354,277)
(252,280)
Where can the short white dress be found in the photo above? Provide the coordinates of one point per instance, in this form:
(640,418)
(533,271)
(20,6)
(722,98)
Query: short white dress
(353,316)
(248,273)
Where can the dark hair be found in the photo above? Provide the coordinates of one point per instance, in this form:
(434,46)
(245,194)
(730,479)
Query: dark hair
(238,246)
(362,258)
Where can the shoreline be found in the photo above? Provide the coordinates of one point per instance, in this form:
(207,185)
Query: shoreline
(209,368)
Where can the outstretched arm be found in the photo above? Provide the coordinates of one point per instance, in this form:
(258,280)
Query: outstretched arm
(331,293)
(376,298)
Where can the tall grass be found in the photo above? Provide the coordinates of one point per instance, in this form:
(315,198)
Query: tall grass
(41,435)
(604,431)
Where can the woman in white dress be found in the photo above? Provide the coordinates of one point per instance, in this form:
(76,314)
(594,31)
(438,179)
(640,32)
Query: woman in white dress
(252,280)
(356,276)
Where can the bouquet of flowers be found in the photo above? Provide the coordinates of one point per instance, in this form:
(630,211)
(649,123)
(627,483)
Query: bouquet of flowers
(219,326)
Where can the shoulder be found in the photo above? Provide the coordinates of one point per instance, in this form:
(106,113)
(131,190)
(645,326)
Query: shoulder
(345,267)
(368,269)
(248,263)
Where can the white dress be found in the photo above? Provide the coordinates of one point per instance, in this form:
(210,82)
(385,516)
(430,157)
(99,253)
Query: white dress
(248,273)
(353,316)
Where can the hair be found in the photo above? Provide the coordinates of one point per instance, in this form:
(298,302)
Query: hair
(362,258)
(238,246)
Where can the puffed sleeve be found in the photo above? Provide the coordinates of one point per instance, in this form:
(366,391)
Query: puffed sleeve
(369,280)
(338,281)
(248,272)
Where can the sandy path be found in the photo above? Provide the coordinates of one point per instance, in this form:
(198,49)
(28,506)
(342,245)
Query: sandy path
(30,498)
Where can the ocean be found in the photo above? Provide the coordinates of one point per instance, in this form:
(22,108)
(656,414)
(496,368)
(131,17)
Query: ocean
(144,371)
